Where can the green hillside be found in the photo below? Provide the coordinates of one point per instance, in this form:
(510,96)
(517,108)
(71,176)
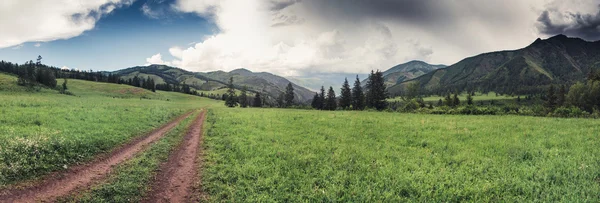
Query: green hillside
(407,71)
(557,60)
(264,83)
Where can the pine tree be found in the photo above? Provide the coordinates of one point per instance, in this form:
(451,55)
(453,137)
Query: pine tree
(346,95)
(551,98)
(455,101)
(315,102)
(358,97)
(330,101)
(289,95)
(469,99)
(257,101)
(231,100)
(243,99)
(322,99)
(376,91)
(64,84)
(448,101)
(440,103)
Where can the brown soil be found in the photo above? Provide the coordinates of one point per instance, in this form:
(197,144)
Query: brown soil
(63,183)
(177,177)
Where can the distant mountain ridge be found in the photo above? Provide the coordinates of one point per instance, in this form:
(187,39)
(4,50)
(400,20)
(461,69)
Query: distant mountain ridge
(265,83)
(556,60)
(406,71)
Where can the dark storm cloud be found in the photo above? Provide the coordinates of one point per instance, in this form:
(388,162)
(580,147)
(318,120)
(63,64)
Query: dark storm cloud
(586,26)
(413,11)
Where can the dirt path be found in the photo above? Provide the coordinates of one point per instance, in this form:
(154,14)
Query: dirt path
(63,183)
(175,181)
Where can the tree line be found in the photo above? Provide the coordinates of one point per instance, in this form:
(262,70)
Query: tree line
(372,96)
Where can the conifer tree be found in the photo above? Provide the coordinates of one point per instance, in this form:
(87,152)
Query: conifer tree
(315,102)
(64,84)
(376,91)
(243,99)
(322,98)
(289,95)
(551,98)
(448,101)
(358,97)
(231,99)
(469,99)
(455,101)
(440,103)
(330,101)
(346,95)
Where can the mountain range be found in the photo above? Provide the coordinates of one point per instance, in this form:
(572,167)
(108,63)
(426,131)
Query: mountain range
(269,85)
(556,60)
(406,71)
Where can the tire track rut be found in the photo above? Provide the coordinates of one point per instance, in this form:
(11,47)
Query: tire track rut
(176,179)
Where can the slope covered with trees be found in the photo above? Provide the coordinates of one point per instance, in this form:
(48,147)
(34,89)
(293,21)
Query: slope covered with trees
(268,85)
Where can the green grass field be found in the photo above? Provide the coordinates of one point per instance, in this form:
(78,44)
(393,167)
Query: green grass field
(45,131)
(272,155)
(285,155)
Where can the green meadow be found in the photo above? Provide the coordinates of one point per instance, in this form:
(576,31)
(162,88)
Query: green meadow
(286,155)
(43,131)
(273,155)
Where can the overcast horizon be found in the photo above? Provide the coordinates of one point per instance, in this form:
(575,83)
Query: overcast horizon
(284,37)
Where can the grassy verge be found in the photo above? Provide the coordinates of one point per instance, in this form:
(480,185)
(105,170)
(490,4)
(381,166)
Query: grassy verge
(273,155)
(132,180)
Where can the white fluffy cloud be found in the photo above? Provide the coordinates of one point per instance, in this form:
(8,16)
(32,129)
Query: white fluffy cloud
(47,20)
(157,59)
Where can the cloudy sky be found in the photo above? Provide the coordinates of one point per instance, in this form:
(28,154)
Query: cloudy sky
(285,37)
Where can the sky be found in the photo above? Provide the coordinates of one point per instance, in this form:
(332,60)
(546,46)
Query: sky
(294,38)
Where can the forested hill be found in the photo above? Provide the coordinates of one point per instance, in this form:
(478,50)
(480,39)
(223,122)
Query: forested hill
(557,60)
(407,71)
(265,83)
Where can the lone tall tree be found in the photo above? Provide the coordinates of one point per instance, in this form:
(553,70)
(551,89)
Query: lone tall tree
(358,97)
(376,91)
(346,95)
(289,95)
(322,98)
(330,101)
(231,100)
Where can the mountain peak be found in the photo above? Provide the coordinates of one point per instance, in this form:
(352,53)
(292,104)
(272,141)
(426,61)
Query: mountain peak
(559,37)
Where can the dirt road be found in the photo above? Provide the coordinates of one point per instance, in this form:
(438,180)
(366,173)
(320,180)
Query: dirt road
(176,179)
